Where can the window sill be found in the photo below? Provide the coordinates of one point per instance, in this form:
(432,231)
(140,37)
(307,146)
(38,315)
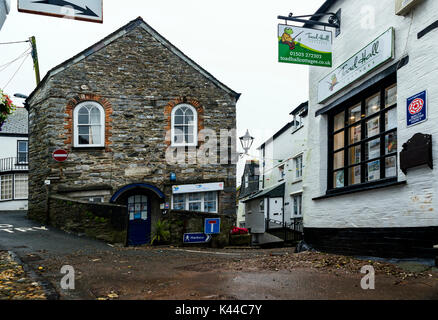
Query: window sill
(297,180)
(363,187)
(88,148)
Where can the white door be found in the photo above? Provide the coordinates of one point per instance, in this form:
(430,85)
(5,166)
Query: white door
(276,209)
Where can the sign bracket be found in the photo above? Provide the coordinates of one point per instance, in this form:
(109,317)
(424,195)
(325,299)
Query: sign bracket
(333,22)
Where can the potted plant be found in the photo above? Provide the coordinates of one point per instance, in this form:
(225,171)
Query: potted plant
(6,108)
(161,232)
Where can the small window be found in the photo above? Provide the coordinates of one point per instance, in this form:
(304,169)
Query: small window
(89,125)
(22,152)
(184,129)
(297,207)
(281,172)
(298,162)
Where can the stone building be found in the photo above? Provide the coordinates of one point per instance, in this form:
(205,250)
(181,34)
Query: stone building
(370,187)
(126,109)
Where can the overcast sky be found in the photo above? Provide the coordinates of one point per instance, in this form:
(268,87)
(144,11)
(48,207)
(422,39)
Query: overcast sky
(235,40)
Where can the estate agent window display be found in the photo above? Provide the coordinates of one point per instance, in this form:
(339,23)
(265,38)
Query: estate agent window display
(363,140)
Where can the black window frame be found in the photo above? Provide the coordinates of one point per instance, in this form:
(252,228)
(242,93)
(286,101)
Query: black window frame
(18,152)
(361,98)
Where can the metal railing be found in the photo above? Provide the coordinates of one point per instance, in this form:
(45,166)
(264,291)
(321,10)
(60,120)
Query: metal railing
(296,224)
(12,164)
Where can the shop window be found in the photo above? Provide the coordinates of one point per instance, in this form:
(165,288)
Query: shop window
(199,201)
(363,140)
(89,125)
(184,129)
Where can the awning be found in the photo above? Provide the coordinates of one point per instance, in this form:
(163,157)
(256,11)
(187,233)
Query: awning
(272,192)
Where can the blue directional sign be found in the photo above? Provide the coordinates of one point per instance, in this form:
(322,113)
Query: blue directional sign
(212,226)
(196,238)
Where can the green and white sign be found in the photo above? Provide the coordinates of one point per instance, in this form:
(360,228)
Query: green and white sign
(369,58)
(304,46)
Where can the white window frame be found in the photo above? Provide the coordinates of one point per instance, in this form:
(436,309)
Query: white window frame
(12,187)
(296,171)
(195,129)
(76,125)
(187,201)
(300,205)
(16,184)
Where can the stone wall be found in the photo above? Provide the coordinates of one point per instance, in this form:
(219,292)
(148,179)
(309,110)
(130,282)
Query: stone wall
(107,222)
(136,78)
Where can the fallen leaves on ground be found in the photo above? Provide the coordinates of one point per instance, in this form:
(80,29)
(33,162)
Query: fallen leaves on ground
(321,261)
(14,283)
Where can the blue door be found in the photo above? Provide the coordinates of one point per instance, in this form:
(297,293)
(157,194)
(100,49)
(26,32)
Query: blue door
(139,229)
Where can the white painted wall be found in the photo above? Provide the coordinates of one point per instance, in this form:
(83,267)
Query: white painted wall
(8,146)
(414,204)
(287,146)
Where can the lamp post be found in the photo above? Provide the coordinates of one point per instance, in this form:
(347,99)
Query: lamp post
(246,141)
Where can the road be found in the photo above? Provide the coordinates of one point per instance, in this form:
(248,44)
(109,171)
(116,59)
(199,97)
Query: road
(106,272)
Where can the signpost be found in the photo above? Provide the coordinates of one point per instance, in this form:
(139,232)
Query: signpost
(196,238)
(304,46)
(212,226)
(85,10)
(416,109)
(60,155)
(369,58)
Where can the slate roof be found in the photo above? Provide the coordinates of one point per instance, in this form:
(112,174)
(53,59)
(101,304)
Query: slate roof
(272,192)
(120,33)
(16,123)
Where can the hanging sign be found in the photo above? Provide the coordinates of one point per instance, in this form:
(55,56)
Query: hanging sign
(369,58)
(304,46)
(416,108)
(86,10)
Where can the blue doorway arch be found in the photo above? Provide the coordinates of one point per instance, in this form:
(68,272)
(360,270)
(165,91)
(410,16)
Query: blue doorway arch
(139,199)
(129,187)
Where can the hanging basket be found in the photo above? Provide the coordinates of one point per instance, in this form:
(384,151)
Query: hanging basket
(6,108)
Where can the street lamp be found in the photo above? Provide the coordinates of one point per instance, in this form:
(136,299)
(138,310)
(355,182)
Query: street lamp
(246,141)
(21,96)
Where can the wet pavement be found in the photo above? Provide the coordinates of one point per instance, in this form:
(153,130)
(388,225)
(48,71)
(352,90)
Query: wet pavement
(106,272)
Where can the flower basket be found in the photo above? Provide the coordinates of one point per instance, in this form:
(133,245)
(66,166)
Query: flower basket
(6,108)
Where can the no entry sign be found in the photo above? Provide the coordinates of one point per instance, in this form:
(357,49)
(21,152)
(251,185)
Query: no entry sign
(60,155)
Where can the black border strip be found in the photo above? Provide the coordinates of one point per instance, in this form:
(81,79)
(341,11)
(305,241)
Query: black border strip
(428,29)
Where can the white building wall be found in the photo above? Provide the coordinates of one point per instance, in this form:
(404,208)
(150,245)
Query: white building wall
(414,204)
(8,146)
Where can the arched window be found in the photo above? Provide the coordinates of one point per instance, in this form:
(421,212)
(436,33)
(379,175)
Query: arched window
(89,125)
(184,126)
